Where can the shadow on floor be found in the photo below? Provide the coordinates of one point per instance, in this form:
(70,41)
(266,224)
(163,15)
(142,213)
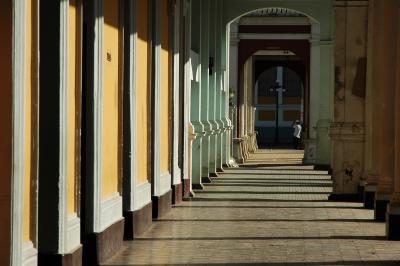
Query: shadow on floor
(344,263)
(258,238)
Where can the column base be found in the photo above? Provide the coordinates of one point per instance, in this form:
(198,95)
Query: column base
(205,180)
(214,175)
(220,170)
(198,186)
(323,167)
(72,259)
(137,222)
(186,188)
(99,247)
(380,210)
(162,204)
(369,199)
(344,197)
(393,226)
(177,193)
(361,191)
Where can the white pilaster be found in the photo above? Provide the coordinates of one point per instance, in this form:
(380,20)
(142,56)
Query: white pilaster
(176,95)
(161,181)
(18,131)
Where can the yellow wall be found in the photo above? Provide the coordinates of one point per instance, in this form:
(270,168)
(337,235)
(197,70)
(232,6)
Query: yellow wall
(72,83)
(6,127)
(165,89)
(110,97)
(28,123)
(143,74)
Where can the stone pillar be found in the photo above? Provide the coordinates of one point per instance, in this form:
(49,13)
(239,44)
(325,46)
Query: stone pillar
(176,170)
(368,120)
(374,106)
(393,211)
(195,152)
(219,90)
(347,130)
(386,73)
(187,70)
(212,86)
(315,51)
(204,84)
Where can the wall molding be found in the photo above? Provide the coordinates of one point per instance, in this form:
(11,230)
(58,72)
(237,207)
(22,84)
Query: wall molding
(111,211)
(73,232)
(165,183)
(18,129)
(141,196)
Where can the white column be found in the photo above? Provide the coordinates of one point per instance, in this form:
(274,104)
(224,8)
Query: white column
(176,171)
(314,103)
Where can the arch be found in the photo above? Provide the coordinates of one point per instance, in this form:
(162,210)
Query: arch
(318,11)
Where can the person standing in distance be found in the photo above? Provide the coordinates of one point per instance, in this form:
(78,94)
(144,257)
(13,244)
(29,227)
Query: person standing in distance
(296,134)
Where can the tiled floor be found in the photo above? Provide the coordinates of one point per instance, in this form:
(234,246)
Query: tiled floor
(264,216)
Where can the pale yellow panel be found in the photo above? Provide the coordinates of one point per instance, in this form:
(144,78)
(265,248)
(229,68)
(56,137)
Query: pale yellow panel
(28,126)
(165,90)
(142,92)
(110,98)
(72,83)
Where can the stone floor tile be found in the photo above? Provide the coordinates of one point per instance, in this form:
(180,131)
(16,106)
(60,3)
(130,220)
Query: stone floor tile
(264,216)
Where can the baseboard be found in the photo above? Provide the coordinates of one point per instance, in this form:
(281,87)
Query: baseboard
(162,204)
(344,197)
(137,222)
(71,259)
(177,193)
(73,232)
(99,247)
(111,210)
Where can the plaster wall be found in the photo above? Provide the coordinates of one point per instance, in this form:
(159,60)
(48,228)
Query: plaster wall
(143,91)
(28,124)
(111,97)
(73,82)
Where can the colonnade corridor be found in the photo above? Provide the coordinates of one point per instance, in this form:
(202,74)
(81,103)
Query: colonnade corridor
(265,212)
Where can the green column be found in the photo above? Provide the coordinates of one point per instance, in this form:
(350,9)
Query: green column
(204,85)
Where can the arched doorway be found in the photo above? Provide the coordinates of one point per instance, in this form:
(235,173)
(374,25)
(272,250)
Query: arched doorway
(279,101)
(301,29)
